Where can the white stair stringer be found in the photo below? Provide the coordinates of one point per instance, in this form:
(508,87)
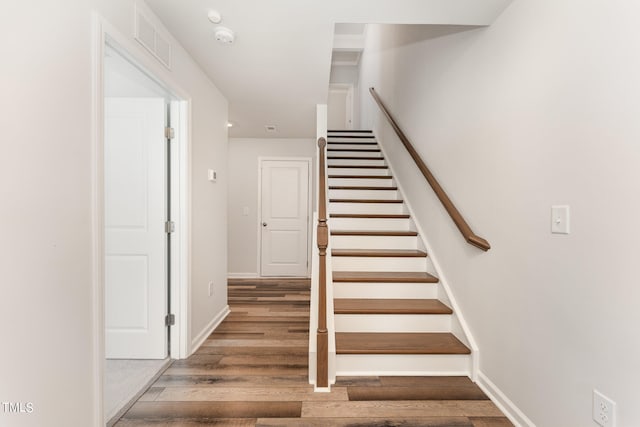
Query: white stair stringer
(459,326)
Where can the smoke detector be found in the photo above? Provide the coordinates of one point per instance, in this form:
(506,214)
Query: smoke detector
(224,35)
(214,16)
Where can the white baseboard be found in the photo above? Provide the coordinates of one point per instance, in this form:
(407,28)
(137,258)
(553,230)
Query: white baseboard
(215,322)
(242,275)
(511,411)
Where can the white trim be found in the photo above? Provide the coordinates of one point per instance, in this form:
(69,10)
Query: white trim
(242,275)
(97,219)
(204,334)
(180,242)
(102,30)
(309,161)
(515,415)
(475,352)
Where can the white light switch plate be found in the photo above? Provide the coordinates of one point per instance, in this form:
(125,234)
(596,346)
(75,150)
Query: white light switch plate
(212,175)
(560,219)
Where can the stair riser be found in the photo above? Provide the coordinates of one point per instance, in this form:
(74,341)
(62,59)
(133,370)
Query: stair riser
(341,263)
(374,242)
(338,132)
(402,364)
(366,208)
(354,147)
(355,153)
(361,182)
(364,194)
(356,162)
(369,224)
(357,171)
(385,290)
(393,322)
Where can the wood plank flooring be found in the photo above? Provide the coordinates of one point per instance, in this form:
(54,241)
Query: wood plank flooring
(252,371)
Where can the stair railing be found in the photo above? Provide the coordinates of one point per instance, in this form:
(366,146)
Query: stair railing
(456,216)
(322,367)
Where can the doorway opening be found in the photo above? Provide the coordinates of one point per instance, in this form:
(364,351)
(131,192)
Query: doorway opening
(340,106)
(144,224)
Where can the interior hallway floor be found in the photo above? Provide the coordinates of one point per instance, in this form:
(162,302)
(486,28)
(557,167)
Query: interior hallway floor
(252,371)
(123,380)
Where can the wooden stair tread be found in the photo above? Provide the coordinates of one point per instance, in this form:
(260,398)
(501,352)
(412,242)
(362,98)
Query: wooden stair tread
(362,176)
(347,187)
(384,277)
(359,166)
(373,233)
(389,306)
(364,201)
(386,253)
(375,216)
(399,343)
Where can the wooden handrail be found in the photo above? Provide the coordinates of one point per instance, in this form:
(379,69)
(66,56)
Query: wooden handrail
(456,216)
(322,361)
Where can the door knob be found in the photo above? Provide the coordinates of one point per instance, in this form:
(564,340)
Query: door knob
(264,224)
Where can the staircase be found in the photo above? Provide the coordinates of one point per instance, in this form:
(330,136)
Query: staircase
(392,317)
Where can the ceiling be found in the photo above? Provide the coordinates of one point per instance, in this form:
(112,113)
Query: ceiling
(277,70)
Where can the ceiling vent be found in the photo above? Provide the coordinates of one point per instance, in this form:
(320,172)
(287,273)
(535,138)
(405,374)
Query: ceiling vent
(152,36)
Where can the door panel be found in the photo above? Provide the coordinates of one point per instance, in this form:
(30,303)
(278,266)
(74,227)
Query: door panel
(135,241)
(285,209)
(340,107)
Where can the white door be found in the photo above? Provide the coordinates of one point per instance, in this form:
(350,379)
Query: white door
(340,107)
(135,241)
(284,217)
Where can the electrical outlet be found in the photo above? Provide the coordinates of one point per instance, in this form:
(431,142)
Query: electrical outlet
(210,289)
(604,410)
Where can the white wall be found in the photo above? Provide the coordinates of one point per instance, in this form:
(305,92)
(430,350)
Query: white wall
(244,191)
(46,174)
(539,109)
(344,74)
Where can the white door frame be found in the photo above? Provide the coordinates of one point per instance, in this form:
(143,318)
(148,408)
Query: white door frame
(181,200)
(349,88)
(309,211)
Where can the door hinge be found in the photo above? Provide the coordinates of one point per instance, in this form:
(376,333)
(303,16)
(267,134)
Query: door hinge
(169,133)
(169,227)
(170,320)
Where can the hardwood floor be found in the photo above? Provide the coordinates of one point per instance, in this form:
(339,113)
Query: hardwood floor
(252,371)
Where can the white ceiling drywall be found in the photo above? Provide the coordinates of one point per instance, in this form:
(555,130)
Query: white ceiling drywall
(278,68)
